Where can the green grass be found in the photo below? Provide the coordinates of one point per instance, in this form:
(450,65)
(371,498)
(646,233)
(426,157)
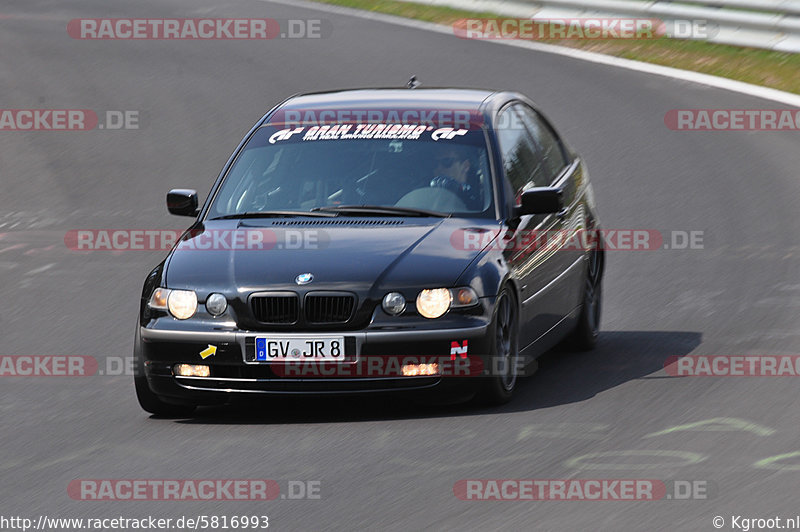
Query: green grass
(761,67)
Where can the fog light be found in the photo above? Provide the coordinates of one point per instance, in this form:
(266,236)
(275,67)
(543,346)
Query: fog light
(394,303)
(216,304)
(417,370)
(192,370)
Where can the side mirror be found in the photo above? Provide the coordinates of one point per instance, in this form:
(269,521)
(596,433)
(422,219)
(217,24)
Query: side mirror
(541,200)
(182,202)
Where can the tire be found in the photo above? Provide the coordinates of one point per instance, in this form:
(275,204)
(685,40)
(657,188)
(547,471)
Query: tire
(584,336)
(499,389)
(149,401)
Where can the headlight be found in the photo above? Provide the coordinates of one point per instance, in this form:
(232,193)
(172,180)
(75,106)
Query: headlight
(434,302)
(182,303)
(216,304)
(394,303)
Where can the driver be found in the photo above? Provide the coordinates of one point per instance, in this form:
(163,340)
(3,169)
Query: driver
(452,171)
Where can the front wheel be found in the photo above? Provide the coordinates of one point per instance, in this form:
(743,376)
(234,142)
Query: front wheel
(498,389)
(149,401)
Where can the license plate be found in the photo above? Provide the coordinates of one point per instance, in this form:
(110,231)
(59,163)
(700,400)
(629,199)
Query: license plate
(308,349)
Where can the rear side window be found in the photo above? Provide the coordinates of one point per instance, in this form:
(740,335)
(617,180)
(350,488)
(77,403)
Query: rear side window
(548,146)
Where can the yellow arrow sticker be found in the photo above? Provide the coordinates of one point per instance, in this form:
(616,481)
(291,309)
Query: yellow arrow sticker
(209,351)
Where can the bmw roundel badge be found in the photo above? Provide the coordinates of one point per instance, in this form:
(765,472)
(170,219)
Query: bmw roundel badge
(304,278)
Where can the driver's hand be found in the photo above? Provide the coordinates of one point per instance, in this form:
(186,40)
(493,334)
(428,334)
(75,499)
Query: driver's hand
(445,182)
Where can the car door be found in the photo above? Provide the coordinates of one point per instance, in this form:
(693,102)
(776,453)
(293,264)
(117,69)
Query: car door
(534,267)
(564,294)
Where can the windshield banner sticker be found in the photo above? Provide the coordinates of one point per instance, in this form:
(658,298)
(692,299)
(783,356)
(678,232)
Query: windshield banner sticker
(366,131)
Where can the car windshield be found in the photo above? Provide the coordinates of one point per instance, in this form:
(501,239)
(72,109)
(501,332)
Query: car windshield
(354,169)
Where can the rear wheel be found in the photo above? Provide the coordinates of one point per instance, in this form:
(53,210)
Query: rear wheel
(498,389)
(584,337)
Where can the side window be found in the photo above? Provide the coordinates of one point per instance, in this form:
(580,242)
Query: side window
(548,146)
(520,160)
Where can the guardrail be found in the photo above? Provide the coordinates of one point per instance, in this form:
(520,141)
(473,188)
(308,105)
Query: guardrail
(767,24)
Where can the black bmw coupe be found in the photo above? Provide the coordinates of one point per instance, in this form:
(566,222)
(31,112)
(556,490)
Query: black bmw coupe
(374,241)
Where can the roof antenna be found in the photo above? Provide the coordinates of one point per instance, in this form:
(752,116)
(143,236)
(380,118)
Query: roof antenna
(413,83)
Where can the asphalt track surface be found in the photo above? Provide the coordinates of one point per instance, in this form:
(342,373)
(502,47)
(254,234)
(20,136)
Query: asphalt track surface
(389,464)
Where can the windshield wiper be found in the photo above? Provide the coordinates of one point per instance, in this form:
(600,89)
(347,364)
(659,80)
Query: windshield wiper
(273,214)
(380,210)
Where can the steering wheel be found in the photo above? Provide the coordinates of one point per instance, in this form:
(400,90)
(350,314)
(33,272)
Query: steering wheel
(432,199)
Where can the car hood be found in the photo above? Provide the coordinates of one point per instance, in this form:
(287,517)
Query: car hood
(356,254)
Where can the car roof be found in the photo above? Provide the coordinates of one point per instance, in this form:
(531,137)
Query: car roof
(419,98)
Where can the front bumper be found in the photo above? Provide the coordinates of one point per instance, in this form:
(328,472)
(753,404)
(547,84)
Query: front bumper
(373,365)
